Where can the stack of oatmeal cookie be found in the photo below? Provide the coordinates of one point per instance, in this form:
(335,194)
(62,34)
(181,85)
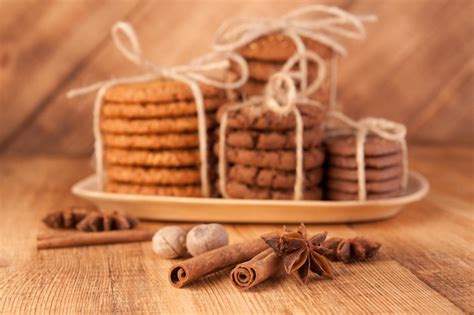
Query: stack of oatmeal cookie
(383,161)
(260,153)
(266,56)
(150,137)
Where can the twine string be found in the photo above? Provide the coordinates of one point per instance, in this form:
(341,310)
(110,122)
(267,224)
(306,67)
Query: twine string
(127,43)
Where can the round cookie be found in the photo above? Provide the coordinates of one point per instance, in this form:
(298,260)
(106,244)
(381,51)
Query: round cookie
(278,47)
(173,191)
(249,139)
(150,110)
(343,196)
(253,88)
(381,161)
(280,160)
(262,119)
(371,187)
(371,174)
(241,191)
(264,177)
(373,146)
(147,126)
(152,141)
(157,91)
(148,176)
(172,158)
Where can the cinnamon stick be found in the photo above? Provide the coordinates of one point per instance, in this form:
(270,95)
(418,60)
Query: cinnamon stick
(258,269)
(96,238)
(199,266)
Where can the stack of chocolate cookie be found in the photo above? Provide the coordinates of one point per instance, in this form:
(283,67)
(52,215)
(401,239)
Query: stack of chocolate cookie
(267,55)
(383,168)
(261,153)
(150,137)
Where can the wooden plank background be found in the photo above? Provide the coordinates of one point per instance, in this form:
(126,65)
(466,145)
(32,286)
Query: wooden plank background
(416,66)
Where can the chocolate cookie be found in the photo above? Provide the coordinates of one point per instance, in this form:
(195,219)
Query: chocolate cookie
(371,174)
(242,191)
(152,141)
(278,47)
(147,126)
(280,160)
(342,196)
(253,88)
(262,119)
(380,161)
(173,191)
(261,71)
(249,139)
(172,158)
(161,176)
(390,185)
(373,146)
(158,91)
(151,110)
(264,177)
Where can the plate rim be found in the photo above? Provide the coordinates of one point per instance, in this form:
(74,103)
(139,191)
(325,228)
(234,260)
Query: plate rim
(78,189)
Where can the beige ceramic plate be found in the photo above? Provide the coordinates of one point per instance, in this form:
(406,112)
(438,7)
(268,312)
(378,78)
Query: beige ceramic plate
(255,211)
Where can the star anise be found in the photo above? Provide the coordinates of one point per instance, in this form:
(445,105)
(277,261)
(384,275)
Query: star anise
(350,250)
(300,254)
(65,219)
(102,221)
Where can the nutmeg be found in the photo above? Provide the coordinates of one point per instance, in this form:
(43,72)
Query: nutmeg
(205,237)
(169,242)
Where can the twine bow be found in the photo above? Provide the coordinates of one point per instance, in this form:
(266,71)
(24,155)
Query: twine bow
(280,97)
(383,128)
(190,74)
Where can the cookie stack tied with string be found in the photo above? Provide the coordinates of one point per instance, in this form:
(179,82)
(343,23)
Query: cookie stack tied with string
(267,43)
(152,131)
(270,146)
(367,159)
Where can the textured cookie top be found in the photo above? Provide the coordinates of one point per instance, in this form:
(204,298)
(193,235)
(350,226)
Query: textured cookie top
(278,47)
(157,91)
(259,118)
(373,146)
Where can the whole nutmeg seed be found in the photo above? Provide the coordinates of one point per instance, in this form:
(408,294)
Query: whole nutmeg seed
(169,242)
(205,237)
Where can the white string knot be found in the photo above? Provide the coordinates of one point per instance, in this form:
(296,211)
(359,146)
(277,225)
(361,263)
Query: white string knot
(383,128)
(317,22)
(126,41)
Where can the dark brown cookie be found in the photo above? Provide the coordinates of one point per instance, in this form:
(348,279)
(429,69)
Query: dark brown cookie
(242,191)
(342,196)
(373,146)
(163,110)
(371,174)
(261,119)
(380,161)
(264,177)
(257,88)
(249,139)
(173,191)
(278,47)
(371,187)
(280,160)
(157,91)
(150,126)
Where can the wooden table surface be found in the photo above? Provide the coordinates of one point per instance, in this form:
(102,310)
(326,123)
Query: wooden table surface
(425,264)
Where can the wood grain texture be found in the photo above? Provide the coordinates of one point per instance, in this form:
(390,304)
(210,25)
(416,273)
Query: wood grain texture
(425,265)
(416,65)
